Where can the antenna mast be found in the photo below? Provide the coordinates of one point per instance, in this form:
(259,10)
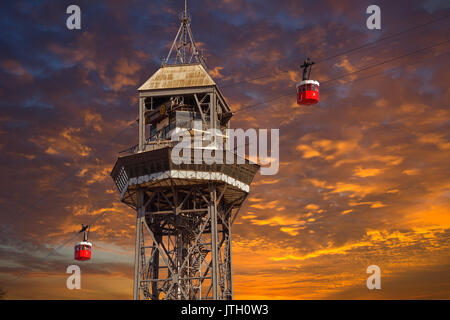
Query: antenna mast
(184,44)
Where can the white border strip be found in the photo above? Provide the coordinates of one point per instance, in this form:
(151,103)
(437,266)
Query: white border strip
(184,174)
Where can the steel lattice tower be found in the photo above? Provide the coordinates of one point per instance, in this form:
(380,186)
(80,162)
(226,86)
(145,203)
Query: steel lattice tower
(184,211)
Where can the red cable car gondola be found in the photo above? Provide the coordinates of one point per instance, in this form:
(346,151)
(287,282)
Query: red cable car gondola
(83,249)
(307,90)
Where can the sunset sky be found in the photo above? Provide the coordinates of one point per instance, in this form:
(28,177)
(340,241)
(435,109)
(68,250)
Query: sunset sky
(364,175)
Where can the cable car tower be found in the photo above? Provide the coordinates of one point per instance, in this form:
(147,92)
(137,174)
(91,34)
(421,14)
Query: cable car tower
(184,211)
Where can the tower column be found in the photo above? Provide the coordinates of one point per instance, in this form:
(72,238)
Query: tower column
(213,218)
(230,260)
(141,124)
(138,250)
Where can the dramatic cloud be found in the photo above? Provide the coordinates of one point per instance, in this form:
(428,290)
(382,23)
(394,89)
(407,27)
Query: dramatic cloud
(364,176)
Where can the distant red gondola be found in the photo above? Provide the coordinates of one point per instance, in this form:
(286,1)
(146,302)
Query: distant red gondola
(83,249)
(307,90)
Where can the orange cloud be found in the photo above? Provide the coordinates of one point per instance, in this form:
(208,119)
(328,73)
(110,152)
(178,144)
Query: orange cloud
(368,172)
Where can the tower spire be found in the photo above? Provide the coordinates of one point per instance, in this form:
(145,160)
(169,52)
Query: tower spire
(183,45)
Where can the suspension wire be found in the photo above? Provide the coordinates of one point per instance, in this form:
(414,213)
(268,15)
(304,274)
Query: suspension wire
(350,73)
(367,44)
(56,249)
(387,71)
(370,76)
(254,105)
(65,179)
(72,174)
(387,61)
(383,38)
(355,80)
(129,124)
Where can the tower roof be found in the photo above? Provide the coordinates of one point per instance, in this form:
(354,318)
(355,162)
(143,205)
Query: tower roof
(178,76)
